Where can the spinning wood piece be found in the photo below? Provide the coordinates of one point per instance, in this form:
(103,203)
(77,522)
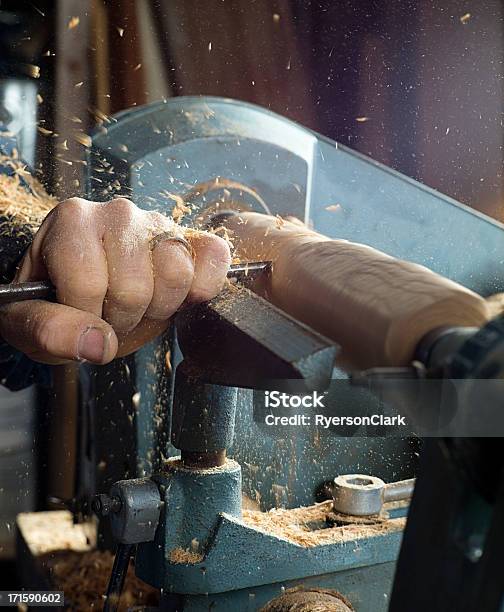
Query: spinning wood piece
(376,307)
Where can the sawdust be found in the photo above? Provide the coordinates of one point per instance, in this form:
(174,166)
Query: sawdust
(333,207)
(66,555)
(21,205)
(307,526)
(346,519)
(179,555)
(176,463)
(224,184)
(83,577)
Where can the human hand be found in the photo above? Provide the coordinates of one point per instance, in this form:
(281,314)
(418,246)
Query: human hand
(120,273)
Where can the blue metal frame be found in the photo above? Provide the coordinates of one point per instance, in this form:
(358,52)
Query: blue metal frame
(181,142)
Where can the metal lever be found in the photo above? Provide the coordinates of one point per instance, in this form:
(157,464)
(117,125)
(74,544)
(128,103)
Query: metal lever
(363,495)
(45,290)
(118,576)
(398,491)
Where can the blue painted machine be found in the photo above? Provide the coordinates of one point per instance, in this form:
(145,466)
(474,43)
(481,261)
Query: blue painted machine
(184,515)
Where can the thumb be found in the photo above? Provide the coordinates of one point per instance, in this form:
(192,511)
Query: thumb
(54,333)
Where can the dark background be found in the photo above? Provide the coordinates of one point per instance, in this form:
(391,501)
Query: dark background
(417,85)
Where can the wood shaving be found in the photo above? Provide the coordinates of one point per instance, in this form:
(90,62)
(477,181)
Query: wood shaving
(23,206)
(168,361)
(73,23)
(223,202)
(225,185)
(83,139)
(307,526)
(180,209)
(83,577)
(31,70)
(69,563)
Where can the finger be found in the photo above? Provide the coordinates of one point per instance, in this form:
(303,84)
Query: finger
(172,266)
(130,275)
(32,266)
(53,333)
(71,251)
(173,276)
(211,264)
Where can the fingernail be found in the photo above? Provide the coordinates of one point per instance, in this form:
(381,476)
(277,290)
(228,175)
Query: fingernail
(91,345)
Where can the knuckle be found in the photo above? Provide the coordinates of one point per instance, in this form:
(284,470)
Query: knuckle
(51,215)
(122,215)
(88,286)
(44,334)
(71,209)
(218,249)
(122,207)
(157,217)
(213,251)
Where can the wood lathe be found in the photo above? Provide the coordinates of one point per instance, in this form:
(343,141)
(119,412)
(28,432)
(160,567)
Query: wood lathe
(376,286)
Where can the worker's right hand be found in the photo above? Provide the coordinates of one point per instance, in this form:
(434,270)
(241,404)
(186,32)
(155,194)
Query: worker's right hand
(120,273)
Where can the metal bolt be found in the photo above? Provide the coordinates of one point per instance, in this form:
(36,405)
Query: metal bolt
(103,504)
(363,495)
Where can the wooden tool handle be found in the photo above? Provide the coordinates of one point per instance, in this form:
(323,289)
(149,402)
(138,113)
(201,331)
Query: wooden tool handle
(376,307)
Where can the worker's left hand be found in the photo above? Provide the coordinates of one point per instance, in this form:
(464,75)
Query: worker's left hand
(120,273)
